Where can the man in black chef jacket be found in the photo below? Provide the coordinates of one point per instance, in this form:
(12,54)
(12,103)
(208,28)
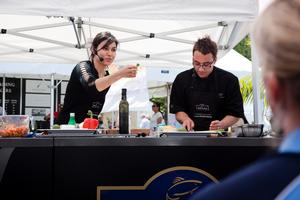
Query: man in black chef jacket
(206,97)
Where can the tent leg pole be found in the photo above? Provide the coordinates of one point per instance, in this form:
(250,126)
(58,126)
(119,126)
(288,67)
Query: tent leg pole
(52,101)
(3,95)
(257,101)
(168,103)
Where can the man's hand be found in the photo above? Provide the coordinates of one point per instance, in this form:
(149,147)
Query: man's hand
(227,121)
(216,125)
(185,120)
(188,124)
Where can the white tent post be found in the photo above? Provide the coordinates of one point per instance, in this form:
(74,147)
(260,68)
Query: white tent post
(117,28)
(168,102)
(257,101)
(233,35)
(40,39)
(3,95)
(38,27)
(52,101)
(224,30)
(21,96)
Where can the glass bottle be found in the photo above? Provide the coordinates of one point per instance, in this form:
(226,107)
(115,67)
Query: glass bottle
(124,114)
(72,119)
(100,122)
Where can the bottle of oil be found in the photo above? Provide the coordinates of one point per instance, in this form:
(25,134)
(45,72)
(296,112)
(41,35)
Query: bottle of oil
(124,114)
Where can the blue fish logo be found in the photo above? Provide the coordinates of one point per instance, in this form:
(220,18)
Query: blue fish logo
(175,183)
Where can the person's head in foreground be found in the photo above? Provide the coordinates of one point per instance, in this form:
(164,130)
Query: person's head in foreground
(276,35)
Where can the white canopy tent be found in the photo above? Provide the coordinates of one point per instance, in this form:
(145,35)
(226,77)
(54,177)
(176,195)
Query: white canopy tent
(153,33)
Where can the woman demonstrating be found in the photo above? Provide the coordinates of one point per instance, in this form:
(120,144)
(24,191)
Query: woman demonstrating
(90,80)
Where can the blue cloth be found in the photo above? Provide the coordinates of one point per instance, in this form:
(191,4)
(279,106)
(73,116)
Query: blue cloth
(292,191)
(292,143)
(264,179)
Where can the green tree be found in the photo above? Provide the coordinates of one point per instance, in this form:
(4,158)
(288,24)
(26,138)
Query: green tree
(162,101)
(247,90)
(244,47)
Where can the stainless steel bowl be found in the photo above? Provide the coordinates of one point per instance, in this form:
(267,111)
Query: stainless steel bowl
(252,130)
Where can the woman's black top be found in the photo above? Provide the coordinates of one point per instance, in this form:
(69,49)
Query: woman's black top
(82,94)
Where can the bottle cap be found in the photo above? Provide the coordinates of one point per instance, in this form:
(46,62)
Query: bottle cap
(124,90)
(72,114)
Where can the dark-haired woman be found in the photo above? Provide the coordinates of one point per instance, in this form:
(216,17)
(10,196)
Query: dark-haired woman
(91,79)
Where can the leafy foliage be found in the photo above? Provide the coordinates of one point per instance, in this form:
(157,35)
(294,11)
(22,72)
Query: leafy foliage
(162,101)
(247,90)
(244,47)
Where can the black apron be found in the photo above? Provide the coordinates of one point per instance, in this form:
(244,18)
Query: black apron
(203,106)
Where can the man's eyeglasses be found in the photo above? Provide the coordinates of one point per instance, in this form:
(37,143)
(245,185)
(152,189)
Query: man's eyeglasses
(153,106)
(204,65)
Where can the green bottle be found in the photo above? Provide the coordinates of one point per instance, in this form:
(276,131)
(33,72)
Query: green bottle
(124,114)
(72,119)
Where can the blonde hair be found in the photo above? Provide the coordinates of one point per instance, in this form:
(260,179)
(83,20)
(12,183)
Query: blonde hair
(276,35)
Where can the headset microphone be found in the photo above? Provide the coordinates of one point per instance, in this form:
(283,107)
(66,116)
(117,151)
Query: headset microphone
(100,58)
(194,74)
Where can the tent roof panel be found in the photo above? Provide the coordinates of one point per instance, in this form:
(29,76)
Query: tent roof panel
(137,9)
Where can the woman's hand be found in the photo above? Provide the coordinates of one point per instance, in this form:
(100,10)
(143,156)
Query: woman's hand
(128,71)
(106,81)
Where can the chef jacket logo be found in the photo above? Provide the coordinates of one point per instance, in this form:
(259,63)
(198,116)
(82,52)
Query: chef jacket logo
(173,183)
(202,107)
(96,105)
(221,95)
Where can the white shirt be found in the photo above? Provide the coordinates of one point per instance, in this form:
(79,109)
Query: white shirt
(145,123)
(154,118)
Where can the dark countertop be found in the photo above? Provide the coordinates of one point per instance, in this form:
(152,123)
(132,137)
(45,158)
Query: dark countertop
(137,141)
(171,141)
(25,142)
(72,166)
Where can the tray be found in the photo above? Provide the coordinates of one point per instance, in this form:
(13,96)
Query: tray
(67,132)
(193,134)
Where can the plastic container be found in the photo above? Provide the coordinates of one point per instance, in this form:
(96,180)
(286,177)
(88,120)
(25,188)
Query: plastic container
(14,125)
